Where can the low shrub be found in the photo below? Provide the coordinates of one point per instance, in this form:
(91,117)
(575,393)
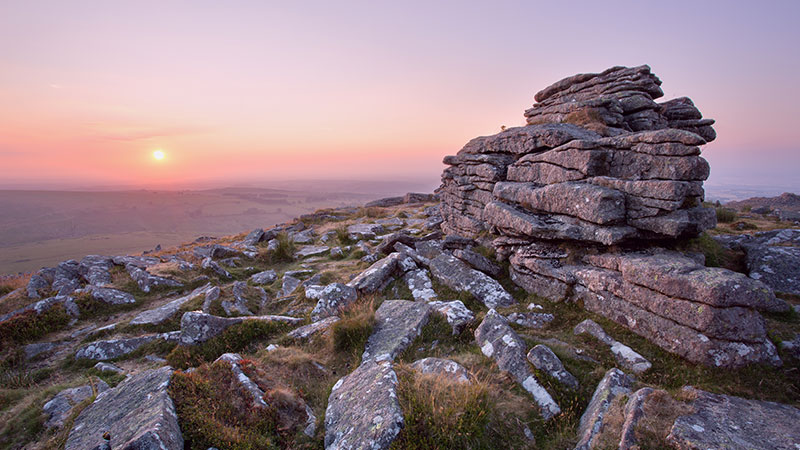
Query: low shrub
(29,326)
(343,236)
(725,215)
(215,411)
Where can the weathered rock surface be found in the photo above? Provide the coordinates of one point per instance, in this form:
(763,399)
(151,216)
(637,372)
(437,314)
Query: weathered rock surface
(530,319)
(106,367)
(239,305)
(478,262)
(771,257)
(613,384)
(251,387)
(59,408)
(307,251)
(265,277)
(164,312)
(625,356)
(420,285)
(114,348)
(634,412)
(378,275)
(311,329)
(331,299)
(147,281)
(111,296)
(96,270)
(397,323)
(545,360)
(722,421)
(363,411)
(498,341)
(137,414)
(445,367)
(455,274)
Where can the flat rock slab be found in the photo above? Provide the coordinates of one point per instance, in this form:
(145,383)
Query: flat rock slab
(625,356)
(306,331)
(60,407)
(265,277)
(458,276)
(498,341)
(363,411)
(530,319)
(111,296)
(379,274)
(397,323)
(146,281)
(311,250)
(137,414)
(545,360)
(114,348)
(777,267)
(444,367)
(456,313)
(722,421)
(613,384)
(162,313)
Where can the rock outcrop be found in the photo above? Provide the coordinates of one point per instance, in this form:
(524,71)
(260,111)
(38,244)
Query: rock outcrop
(580,200)
(137,414)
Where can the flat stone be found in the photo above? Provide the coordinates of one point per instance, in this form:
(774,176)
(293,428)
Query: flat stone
(455,274)
(498,341)
(613,384)
(307,251)
(363,411)
(445,367)
(59,408)
(107,367)
(251,387)
(722,421)
(530,319)
(776,266)
(397,323)
(147,281)
(114,348)
(163,313)
(265,277)
(311,329)
(365,230)
(634,412)
(96,270)
(545,360)
(478,262)
(289,285)
(111,296)
(137,414)
(197,327)
(378,275)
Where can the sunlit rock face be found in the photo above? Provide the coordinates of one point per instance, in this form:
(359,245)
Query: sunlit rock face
(584,198)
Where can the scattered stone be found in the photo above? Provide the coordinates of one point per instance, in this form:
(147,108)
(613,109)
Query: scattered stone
(114,348)
(311,250)
(397,323)
(254,237)
(337,253)
(633,413)
(388,243)
(456,313)
(59,408)
(545,360)
(530,319)
(379,274)
(38,348)
(252,388)
(306,331)
(331,299)
(722,421)
(792,347)
(302,237)
(146,281)
(212,295)
(624,355)
(363,411)
(478,262)
(613,384)
(111,296)
(458,276)
(498,341)
(96,270)
(164,312)
(209,263)
(107,367)
(137,414)
(446,367)
(239,304)
(289,285)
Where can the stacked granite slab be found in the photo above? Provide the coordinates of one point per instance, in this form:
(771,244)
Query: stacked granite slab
(581,199)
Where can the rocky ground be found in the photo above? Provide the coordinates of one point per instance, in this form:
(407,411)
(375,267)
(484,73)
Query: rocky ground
(547,324)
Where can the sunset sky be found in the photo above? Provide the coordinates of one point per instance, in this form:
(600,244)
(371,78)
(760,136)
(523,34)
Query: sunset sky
(242,92)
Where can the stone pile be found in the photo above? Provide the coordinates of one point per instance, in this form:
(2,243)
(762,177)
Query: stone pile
(580,199)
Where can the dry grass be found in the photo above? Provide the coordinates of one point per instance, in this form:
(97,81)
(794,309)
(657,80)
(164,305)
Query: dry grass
(660,412)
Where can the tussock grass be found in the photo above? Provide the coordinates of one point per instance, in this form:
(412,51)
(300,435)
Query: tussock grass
(30,326)
(343,236)
(725,215)
(284,252)
(716,255)
(349,335)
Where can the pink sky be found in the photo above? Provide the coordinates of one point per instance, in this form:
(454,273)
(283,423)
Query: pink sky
(247,91)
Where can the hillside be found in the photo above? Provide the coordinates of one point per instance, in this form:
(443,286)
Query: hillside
(565,287)
(785,202)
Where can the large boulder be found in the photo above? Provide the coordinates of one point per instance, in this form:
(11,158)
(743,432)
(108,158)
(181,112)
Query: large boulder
(722,421)
(137,414)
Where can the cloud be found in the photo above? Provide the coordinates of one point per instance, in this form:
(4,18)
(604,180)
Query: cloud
(127,133)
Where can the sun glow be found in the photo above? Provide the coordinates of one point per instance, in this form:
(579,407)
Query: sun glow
(158,155)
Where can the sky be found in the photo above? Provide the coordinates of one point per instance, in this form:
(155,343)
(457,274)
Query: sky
(239,92)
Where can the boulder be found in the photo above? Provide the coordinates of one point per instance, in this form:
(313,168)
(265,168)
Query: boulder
(498,341)
(420,285)
(530,319)
(106,367)
(625,356)
(365,231)
(633,413)
(265,277)
(456,313)
(363,411)
(212,265)
(114,348)
(307,251)
(147,281)
(380,274)
(478,262)
(137,414)
(722,421)
(306,331)
(397,323)
(197,327)
(111,296)
(96,270)
(332,298)
(455,274)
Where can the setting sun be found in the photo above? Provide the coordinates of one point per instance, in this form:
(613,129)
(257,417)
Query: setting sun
(158,154)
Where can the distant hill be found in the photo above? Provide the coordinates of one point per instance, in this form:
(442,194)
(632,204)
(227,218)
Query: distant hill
(784,202)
